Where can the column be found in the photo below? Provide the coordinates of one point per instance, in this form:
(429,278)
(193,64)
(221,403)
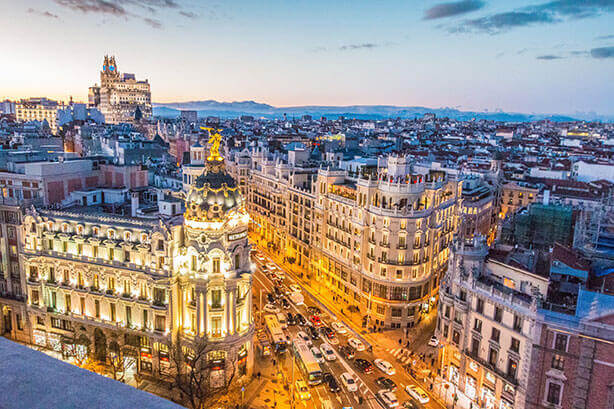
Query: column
(202,315)
(227,309)
(198,328)
(233,312)
(250,318)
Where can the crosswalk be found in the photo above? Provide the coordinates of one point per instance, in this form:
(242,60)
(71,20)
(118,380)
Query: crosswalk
(402,355)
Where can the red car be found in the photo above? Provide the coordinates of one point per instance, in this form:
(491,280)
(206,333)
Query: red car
(315,320)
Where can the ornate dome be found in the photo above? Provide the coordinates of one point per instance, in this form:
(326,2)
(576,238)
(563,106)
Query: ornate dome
(214,193)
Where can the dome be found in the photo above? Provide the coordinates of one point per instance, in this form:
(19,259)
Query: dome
(214,193)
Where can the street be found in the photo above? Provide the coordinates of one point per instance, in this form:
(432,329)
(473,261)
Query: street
(321,397)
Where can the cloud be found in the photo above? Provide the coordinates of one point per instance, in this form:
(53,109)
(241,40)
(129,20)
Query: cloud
(188,14)
(608,37)
(42,13)
(602,52)
(152,22)
(358,46)
(452,9)
(545,13)
(549,57)
(94,6)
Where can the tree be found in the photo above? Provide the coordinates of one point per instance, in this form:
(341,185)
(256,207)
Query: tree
(120,358)
(191,370)
(77,346)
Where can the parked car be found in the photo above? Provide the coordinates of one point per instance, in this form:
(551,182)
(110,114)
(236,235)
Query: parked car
(290,319)
(356,344)
(313,310)
(295,287)
(315,320)
(363,365)
(300,320)
(384,366)
(417,393)
(313,333)
(301,390)
(433,342)
(386,383)
(349,382)
(285,303)
(410,404)
(332,383)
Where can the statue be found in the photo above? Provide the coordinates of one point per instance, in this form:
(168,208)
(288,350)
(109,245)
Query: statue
(214,140)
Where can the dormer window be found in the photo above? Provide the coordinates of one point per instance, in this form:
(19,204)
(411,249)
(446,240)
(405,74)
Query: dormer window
(111,233)
(143,237)
(127,236)
(64,227)
(50,226)
(79,229)
(95,231)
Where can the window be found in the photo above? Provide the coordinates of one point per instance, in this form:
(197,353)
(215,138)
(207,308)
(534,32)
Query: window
(475,346)
(111,284)
(128,315)
(145,319)
(553,393)
(96,281)
(111,254)
(495,335)
(97,308)
(512,368)
(445,331)
(82,305)
(127,256)
(159,296)
(479,306)
(447,312)
(558,362)
(515,345)
(51,275)
(216,298)
(216,326)
(237,260)
(498,317)
(160,323)
(560,342)
(216,265)
(67,300)
(455,337)
(112,308)
(493,355)
(517,323)
(477,325)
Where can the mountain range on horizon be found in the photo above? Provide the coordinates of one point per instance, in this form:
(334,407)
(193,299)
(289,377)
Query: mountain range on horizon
(374,112)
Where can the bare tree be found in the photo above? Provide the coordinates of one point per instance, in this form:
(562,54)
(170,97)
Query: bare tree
(120,357)
(191,370)
(77,347)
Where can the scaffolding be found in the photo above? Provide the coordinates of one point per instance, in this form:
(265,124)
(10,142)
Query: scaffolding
(594,230)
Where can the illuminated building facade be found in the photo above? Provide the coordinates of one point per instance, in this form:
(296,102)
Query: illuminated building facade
(378,243)
(146,280)
(120,95)
(39,109)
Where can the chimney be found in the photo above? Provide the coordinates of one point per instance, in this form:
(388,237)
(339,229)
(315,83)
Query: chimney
(134,203)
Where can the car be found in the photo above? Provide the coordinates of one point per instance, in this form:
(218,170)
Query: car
(290,319)
(264,269)
(300,320)
(417,393)
(347,352)
(339,327)
(280,275)
(349,382)
(313,310)
(295,288)
(328,352)
(270,298)
(384,366)
(316,321)
(330,335)
(271,308)
(301,390)
(356,344)
(304,337)
(285,303)
(410,404)
(313,333)
(332,383)
(387,399)
(363,365)
(433,342)
(317,355)
(386,383)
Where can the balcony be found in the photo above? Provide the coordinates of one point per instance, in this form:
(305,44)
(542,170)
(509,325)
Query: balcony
(492,368)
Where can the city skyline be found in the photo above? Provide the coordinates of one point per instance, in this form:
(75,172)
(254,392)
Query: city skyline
(528,57)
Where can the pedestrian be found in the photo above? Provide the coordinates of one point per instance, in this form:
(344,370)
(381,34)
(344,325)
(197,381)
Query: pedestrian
(274,362)
(400,342)
(258,375)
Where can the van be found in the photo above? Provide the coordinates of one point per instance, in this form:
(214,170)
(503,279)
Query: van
(281,317)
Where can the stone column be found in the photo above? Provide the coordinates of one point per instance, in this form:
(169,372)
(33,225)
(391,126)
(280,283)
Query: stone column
(204,320)
(227,308)
(198,328)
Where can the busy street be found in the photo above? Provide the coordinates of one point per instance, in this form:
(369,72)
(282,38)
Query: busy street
(377,377)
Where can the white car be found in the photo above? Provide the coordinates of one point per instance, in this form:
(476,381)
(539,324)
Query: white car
(417,393)
(349,382)
(384,366)
(271,308)
(338,327)
(304,337)
(295,288)
(328,352)
(433,342)
(317,355)
(356,344)
(387,398)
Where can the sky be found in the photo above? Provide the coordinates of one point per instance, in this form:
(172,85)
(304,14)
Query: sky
(539,56)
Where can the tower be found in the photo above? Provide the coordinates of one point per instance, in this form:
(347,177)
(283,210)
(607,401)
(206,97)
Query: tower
(213,270)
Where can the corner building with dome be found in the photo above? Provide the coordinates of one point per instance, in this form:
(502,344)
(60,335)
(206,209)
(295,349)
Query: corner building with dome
(96,276)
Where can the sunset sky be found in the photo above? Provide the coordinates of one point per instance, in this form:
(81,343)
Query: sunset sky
(522,56)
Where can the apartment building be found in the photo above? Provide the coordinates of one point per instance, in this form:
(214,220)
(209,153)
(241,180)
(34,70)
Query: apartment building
(516,195)
(39,109)
(486,320)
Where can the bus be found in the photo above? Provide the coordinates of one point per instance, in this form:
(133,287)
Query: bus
(278,338)
(307,363)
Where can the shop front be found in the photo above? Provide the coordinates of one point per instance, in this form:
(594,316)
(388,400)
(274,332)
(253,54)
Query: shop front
(487,393)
